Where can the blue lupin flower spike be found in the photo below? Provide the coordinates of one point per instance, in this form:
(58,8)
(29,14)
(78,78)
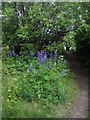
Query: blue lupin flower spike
(13,51)
(39,57)
(51,55)
(9,55)
(45,58)
(43,53)
(42,57)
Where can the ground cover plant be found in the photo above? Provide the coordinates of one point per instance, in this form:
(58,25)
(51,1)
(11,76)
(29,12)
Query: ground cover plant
(40,79)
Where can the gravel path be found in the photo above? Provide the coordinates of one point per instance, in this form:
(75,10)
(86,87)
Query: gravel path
(80,108)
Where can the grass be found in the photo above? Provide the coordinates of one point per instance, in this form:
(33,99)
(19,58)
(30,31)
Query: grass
(63,111)
(16,107)
(24,109)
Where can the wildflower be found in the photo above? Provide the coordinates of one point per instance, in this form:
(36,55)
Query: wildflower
(39,59)
(13,51)
(51,55)
(42,57)
(55,55)
(45,59)
(9,55)
(43,53)
(31,55)
(30,68)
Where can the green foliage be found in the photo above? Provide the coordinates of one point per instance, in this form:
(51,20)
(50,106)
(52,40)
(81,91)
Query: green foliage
(38,26)
(9,25)
(22,33)
(35,22)
(45,84)
(83,42)
(47,79)
(59,46)
(70,40)
(28,47)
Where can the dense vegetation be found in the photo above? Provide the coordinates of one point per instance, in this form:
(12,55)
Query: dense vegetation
(34,37)
(44,24)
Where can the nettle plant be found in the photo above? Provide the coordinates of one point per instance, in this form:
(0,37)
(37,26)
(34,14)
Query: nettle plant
(41,78)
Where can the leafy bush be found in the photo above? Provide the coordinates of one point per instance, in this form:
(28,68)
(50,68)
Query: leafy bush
(59,46)
(44,82)
(69,39)
(83,42)
(40,79)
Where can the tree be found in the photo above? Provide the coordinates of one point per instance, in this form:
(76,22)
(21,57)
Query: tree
(43,23)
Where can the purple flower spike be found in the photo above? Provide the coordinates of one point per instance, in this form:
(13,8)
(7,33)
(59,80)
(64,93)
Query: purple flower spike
(9,55)
(30,68)
(42,57)
(39,57)
(55,55)
(13,52)
(51,55)
(45,58)
(31,55)
(43,53)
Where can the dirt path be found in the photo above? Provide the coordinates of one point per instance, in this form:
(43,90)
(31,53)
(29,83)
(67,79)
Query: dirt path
(80,108)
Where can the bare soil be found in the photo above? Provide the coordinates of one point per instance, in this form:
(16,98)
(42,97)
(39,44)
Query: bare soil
(80,107)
